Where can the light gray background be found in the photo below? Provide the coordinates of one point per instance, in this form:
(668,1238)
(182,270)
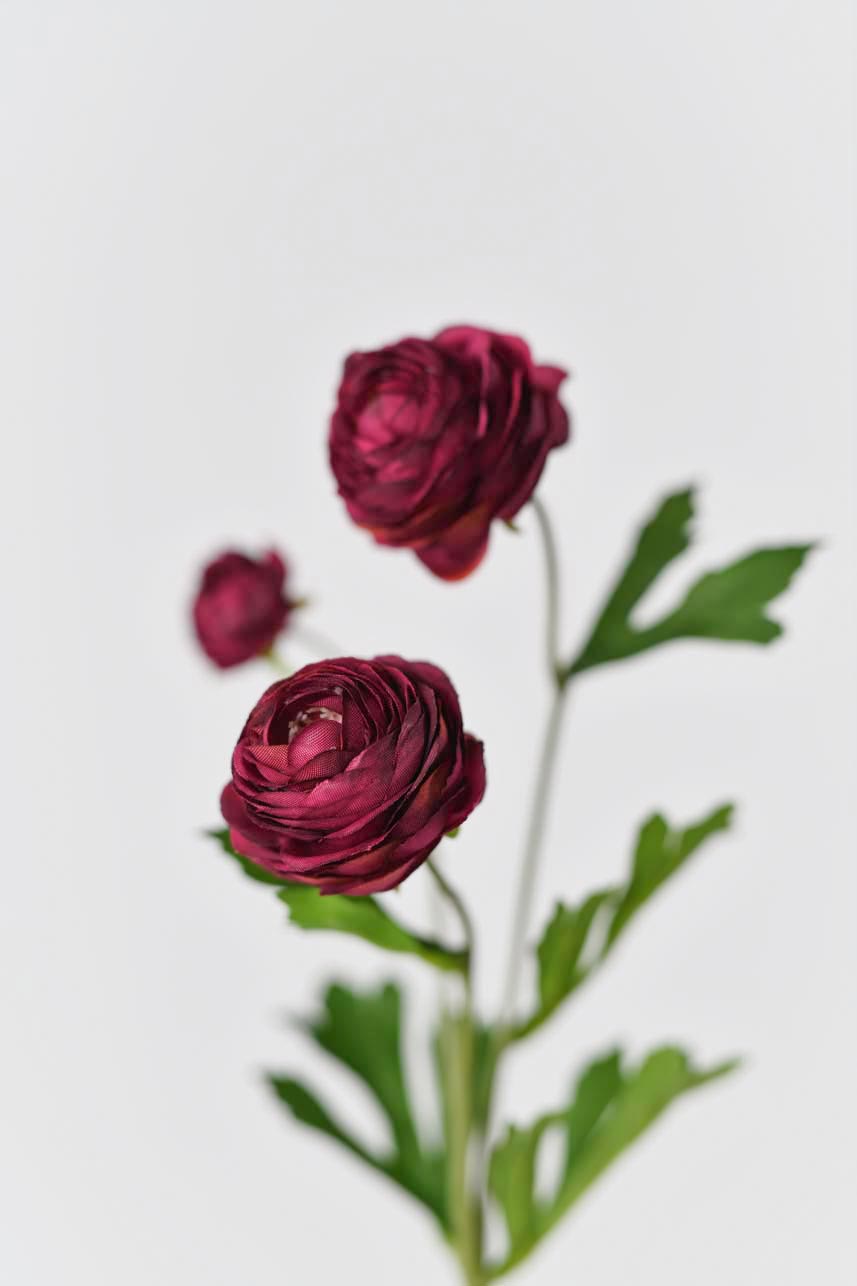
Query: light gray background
(205,207)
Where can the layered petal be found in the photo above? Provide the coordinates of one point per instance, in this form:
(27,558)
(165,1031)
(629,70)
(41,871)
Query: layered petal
(240,606)
(347,774)
(433,439)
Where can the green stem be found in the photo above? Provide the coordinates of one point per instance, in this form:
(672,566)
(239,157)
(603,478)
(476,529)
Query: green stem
(458,1055)
(555,665)
(457,903)
(317,640)
(544,773)
(536,826)
(532,853)
(467,1142)
(275,660)
(465,1203)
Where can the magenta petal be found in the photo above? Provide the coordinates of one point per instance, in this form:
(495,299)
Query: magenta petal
(354,819)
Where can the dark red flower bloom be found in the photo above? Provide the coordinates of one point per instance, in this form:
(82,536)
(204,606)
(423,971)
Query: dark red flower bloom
(240,606)
(348,773)
(433,439)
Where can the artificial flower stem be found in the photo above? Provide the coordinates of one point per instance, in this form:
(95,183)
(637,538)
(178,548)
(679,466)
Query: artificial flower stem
(458,1055)
(316,639)
(276,661)
(535,831)
(545,773)
(457,1052)
(457,903)
(554,662)
(532,853)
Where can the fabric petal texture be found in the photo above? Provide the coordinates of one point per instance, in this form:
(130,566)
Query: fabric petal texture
(431,440)
(349,773)
(240,606)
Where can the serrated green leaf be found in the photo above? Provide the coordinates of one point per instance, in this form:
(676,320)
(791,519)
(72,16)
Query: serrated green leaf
(729,604)
(564,961)
(610,1109)
(578,939)
(307,1109)
(661,851)
(362,1030)
(362,917)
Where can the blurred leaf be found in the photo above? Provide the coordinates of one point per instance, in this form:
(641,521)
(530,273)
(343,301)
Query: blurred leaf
(660,852)
(564,962)
(363,917)
(453,1030)
(250,869)
(611,1107)
(728,604)
(579,938)
(306,1108)
(362,1031)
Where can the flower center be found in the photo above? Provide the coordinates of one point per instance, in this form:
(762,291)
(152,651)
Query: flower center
(312,714)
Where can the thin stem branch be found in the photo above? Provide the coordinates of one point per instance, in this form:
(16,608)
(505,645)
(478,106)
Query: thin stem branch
(458,1053)
(532,852)
(467,1199)
(552,585)
(455,900)
(535,834)
(275,660)
(465,919)
(545,771)
(316,639)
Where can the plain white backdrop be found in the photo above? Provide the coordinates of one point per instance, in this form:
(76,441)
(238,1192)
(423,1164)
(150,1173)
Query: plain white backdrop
(205,206)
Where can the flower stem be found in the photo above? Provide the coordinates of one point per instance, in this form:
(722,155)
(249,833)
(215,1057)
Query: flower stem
(465,1207)
(468,1122)
(532,853)
(458,1054)
(317,640)
(457,903)
(535,828)
(545,772)
(555,668)
(276,661)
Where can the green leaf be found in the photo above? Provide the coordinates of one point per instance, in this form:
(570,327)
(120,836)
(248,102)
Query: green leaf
(579,938)
(729,604)
(307,1109)
(363,917)
(609,1109)
(250,869)
(362,1031)
(661,851)
(563,956)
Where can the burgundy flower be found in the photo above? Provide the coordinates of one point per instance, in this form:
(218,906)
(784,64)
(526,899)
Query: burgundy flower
(348,773)
(432,439)
(240,606)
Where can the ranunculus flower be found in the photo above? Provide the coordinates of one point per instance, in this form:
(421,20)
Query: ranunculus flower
(432,439)
(348,773)
(240,606)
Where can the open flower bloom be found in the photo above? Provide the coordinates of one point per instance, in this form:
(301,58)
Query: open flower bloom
(240,606)
(433,439)
(348,773)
